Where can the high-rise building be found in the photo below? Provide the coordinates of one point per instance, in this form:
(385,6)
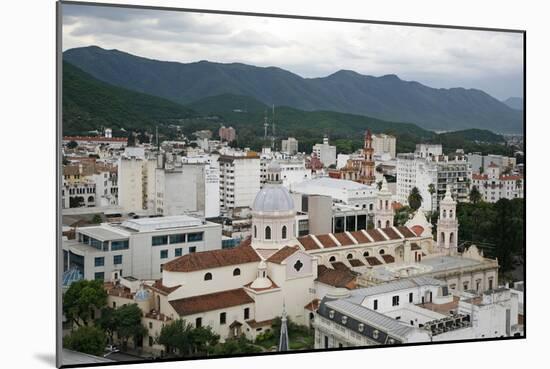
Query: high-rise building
(325,152)
(227,134)
(239,180)
(289,146)
(384,144)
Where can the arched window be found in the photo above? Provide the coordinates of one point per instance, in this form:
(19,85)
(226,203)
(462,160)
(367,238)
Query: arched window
(366,254)
(370,207)
(451,213)
(451,239)
(379,224)
(382,252)
(208,277)
(236,272)
(283,233)
(387,204)
(332,259)
(442,238)
(90,199)
(255,232)
(350,256)
(444,213)
(388,225)
(268,233)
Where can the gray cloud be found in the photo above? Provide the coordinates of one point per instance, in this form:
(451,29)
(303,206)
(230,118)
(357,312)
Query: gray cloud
(491,61)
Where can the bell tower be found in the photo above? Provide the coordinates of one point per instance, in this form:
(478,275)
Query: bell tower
(447,225)
(383,213)
(367,167)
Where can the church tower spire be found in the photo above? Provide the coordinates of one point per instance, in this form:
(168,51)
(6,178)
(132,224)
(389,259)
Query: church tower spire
(383,212)
(283,338)
(367,167)
(447,224)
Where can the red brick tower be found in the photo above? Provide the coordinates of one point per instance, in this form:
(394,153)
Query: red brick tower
(367,168)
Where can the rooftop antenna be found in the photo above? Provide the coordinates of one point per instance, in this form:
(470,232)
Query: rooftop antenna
(266,125)
(273,127)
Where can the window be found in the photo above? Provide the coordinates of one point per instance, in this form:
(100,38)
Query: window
(255,232)
(117,259)
(395,301)
(236,272)
(178,251)
(490,283)
(246,313)
(381,252)
(195,237)
(150,325)
(99,276)
(283,233)
(114,304)
(150,341)
(192,249)
(465,286)
(99,261)
(119,245)
(366,254)
(410,297)
(350,256)
(332,259)
(159,240)
(375,305)
(177,238)
(222,318)
(267,233)
(198,322)
(163,254)
(326,341)
(208,277)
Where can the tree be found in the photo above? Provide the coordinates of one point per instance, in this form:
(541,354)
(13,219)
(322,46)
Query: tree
(96,219)
(90,340)
(475,195)
(402,215)
(72,145)
(415,199)
(234,346)
(107,322)
(127,322)
(81,297)
(176,335)
(204,340)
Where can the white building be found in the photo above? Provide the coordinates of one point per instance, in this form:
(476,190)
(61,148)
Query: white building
(325,152)
(293,170)
(424,169)
(494,186)
(138,247)
(289,146)
(384,144)
(412,311)
(136,181)
(89,184)
(351,193)
(480,163)
(239,181)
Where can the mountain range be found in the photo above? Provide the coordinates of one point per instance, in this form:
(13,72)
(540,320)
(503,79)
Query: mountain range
(514,102)
(387,97)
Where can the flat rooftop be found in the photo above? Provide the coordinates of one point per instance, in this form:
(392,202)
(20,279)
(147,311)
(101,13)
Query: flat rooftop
(104,232)
(448,262)
(159,223)
(339,184)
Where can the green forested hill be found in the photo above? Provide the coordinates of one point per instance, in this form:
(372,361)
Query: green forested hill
(90,104)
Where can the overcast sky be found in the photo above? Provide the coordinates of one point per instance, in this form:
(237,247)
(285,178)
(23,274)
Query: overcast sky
(490,61)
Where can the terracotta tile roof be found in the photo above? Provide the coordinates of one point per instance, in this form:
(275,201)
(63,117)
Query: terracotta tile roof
(326,241)
(417,229)
(213,259)
(118,290)
(162,288)
(360,237)
(336,278)
(391,233)
(375,235)
(308,243)
(479,176)
(414,246)
(273,285)
(264,323)
(355,262)
(282,254)
(344,239)
(510,178)
(405,231)
(338,265)
(212,301)
(388,258)
(373,260)
(312,305)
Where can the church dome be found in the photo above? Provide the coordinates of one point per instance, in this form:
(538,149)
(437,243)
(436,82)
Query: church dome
(273,198)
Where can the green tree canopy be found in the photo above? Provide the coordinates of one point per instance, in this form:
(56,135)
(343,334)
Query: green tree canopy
(127,321)
(415,199)
(87,339)
(81,298)
(475,195)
